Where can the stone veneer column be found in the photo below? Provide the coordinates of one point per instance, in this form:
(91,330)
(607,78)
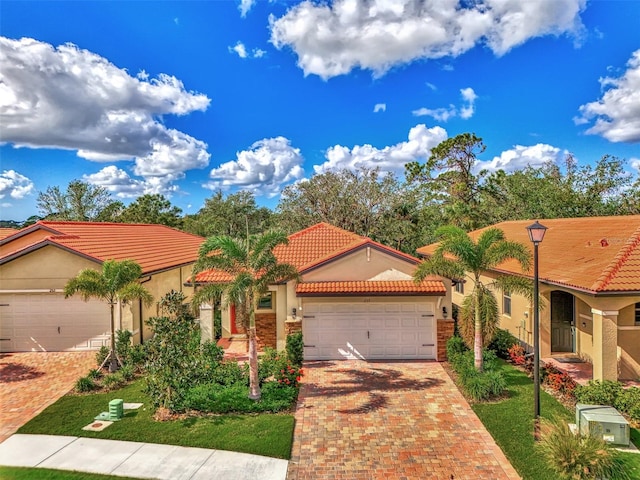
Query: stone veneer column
(292,326)
(605,344)
(266,329)
(444,333)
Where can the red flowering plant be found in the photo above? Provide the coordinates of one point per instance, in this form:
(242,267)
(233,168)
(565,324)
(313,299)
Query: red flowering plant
(516,354)
(289,376)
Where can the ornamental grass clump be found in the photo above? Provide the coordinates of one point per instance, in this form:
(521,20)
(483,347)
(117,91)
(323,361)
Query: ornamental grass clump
(578,457)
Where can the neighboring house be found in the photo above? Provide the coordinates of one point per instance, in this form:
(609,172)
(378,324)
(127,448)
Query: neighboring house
(37,262)
(356,299)
(5,232)
(590,278)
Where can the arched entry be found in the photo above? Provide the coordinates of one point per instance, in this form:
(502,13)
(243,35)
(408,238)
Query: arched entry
(562,322)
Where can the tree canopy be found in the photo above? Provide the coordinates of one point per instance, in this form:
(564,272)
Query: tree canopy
(81,201)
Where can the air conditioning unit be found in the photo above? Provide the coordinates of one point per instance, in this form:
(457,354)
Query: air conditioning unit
(603,422)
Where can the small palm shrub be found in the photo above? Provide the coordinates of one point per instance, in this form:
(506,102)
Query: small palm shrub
(479,386)
(577,457)
(94,374)
(85,384)
(295,349)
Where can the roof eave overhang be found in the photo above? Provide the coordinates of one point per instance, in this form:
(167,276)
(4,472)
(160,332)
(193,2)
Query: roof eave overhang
(371,294)
(27,231)
(37,246)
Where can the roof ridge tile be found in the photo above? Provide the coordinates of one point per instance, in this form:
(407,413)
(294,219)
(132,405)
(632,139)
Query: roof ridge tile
(609,273)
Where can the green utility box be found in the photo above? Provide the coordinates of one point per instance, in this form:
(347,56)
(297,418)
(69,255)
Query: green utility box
(116,409)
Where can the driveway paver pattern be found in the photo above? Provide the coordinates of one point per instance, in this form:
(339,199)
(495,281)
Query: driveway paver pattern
(392,420)
(31,381)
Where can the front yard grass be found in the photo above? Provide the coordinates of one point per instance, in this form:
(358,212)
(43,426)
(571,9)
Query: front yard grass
(24,473)
(265,434)
(510,422)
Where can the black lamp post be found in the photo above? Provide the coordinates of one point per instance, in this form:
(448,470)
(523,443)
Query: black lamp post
(536,234)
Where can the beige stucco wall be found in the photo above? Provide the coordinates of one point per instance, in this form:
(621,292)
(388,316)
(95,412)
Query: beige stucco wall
(51,268)
(625,346)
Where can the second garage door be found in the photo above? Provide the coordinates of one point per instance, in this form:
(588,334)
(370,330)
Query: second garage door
(40,322)
(369,331)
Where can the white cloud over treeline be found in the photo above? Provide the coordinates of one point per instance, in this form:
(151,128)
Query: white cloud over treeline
(70,98)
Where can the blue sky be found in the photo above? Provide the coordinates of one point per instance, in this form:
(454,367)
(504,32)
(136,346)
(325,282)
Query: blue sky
(185,98)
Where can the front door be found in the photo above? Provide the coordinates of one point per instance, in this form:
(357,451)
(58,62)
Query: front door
(562,322)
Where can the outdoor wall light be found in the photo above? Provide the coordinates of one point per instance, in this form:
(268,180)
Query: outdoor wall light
(444,312)
(294,312)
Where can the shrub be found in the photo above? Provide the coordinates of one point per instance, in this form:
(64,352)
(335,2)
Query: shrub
(113,381)
(94,374)
(516,354)
(578,457)
(483,385)
(127,372)
(502,342)
(137,355)
(628,401)
(295,349)
(599,392)
(230,373)
(214,398)
(217,324)
(271,362)
(85,384)
(455,346)
(289,376)
(123,345)
(558,381)
(101,355)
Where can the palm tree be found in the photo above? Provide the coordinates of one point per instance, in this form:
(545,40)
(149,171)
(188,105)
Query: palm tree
(118,281)
(458,256)
(251,266)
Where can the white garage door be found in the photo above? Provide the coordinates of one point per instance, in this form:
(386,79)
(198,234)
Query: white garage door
(369,331)
(49,322)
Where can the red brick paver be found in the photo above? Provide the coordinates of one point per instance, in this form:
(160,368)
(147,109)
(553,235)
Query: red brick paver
(391,421)
(30,382)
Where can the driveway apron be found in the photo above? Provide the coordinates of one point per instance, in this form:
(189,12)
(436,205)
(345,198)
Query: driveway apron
(31,381)
(391,420)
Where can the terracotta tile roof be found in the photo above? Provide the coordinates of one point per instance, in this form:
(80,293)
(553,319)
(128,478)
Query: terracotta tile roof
(368,287)
(5,232)
(314,246)
(154,247)
(594,254)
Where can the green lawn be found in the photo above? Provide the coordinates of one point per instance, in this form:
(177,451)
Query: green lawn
(510,422)
(266,434)
(20,473)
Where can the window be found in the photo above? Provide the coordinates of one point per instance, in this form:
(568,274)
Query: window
(266,302)
(506,302)
(459,286)
(637,316)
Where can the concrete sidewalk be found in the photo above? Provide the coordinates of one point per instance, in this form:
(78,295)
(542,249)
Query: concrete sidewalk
(134,459)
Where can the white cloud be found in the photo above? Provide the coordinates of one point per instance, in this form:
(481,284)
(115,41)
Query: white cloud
(617,113)
(333,39)
(389,159)
(245,6)
(14,185)
(241,50)
(466,110)
(269,164)
(431,86)
(635,163)
(520,157)
(73,99)
(380,107)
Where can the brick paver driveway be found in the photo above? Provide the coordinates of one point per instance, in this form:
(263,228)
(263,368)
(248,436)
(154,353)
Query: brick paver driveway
(404,420)
(30,382)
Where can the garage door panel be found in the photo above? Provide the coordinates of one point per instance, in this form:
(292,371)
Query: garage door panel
(369,331)
(49,322)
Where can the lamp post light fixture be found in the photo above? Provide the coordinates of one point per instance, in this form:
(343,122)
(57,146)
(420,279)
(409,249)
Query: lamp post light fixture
(536,235)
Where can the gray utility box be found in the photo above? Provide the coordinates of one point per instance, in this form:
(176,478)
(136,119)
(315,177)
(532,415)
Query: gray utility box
(603,422)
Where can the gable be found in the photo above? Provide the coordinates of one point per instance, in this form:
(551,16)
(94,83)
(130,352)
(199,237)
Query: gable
(365,263)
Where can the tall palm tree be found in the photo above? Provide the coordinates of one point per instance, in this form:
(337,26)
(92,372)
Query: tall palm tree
(251,266)
(458,256)
(118,281)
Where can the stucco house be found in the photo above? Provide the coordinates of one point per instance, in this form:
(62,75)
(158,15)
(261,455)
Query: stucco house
(590,278)
(355,299)
(36,263)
